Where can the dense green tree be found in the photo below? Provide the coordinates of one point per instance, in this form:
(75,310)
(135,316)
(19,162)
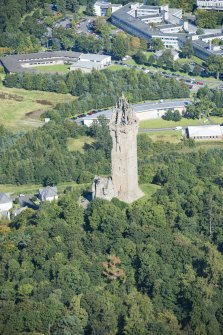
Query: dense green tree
(120,46)
(140,57)
(187,50)
(157,44)
(215,65)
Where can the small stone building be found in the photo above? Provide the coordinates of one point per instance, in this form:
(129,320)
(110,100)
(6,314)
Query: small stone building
(48,193)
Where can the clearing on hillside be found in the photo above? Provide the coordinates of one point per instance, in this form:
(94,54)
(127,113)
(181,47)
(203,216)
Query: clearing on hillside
(20,109)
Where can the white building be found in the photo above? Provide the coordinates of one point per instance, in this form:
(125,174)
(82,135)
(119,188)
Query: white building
(201,133)
(210,4)
(88,62)
(102,60)
(101,8)
(48,193)
(5,203)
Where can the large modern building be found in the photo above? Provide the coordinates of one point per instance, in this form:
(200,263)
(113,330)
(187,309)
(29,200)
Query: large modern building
(77,60)
(167,24)
(210,4)
(144,111)
(136,19)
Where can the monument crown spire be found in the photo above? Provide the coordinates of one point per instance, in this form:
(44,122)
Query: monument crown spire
(123,113)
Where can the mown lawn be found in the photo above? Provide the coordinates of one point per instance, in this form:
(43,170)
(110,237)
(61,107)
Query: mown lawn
(160,123)
(77,144)
(14,114)
(53,68)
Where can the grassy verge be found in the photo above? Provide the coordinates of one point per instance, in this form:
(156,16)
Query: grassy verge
(115,67)
(160,123)
(24,115)
(182,61)
(77,144)
(216,119)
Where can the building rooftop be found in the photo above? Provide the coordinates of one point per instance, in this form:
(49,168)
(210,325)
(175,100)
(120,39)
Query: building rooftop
(49,191)
(13,63)
(93,57)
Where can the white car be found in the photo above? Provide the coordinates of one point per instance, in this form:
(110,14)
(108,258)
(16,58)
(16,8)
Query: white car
(178,128)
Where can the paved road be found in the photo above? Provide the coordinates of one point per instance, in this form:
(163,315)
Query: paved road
(154,130)
(165,74)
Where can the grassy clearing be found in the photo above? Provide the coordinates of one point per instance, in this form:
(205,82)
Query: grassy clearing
(13,114)
(77,144)
(160,123)
(33,188)
(64,68)
(171,136)
(115,67)
(149,189)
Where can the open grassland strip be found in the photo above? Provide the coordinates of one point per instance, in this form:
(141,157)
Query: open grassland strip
(171,136)
(160,123)
(33,188)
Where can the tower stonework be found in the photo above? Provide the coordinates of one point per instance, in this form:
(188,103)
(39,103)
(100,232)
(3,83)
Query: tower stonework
(123,183)
(124,128)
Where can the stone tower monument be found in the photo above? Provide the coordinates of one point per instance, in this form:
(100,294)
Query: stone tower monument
(124,181)
(124,128)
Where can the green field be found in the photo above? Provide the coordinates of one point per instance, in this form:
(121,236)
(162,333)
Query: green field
(171,136)
(24,115)
(33,188)
(53,68)
(77,144)
(160,123)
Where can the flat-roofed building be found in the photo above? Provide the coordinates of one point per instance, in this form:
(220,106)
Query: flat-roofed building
(202,133)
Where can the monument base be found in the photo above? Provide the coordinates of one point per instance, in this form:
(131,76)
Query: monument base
(131,197)
(103,188)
